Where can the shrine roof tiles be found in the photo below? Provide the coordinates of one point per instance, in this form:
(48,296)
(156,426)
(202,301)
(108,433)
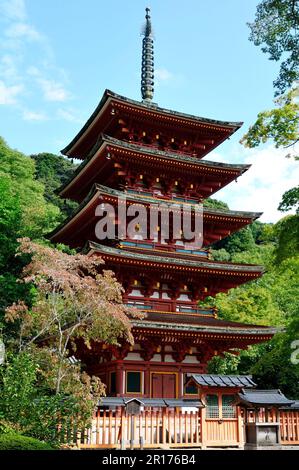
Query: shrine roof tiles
(211,380)
(152,402)
(263,397)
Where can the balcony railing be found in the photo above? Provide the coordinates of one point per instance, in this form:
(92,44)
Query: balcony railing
(169,307)
(162,247)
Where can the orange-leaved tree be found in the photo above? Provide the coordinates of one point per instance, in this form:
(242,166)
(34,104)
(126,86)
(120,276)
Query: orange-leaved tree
(75,298)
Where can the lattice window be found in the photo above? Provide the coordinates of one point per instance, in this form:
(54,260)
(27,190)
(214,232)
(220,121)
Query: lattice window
(228,408)
(212,406)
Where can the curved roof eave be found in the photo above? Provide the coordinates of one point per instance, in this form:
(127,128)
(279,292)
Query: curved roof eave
(213,265)
(108,94)
(153,152)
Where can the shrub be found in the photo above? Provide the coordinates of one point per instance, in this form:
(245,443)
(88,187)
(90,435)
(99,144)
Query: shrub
(14,441)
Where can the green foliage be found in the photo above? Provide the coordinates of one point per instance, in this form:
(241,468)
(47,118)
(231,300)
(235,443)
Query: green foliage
(23,212)
(290,200)
(275,368)
(28,405)
(18,389)
(237,242)
(18,173)
(10,225)
(14,441)
(54,171)
(251,304)
(220,255)
(287,230)
(215,204)
(276,29)
(279,124)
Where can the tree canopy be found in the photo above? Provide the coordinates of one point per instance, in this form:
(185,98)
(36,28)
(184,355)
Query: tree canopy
(276,30)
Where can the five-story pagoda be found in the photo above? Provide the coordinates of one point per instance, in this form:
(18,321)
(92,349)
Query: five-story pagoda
(142,154)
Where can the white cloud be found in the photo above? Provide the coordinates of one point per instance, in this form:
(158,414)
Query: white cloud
(53,91)
(23,31)
(69,115)
(13,9)
(33,116)
(261,188)
(163,74)
(16,35)
(8,68)
(8,94)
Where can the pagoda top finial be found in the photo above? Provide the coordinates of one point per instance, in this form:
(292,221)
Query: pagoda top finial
(147,67)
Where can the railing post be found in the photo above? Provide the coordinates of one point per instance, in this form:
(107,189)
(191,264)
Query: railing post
(122,429)
(204,437)
(164,416)
(240,427)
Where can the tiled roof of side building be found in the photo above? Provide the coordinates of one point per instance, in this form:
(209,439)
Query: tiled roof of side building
(212,380)
(149,107)
(263,397)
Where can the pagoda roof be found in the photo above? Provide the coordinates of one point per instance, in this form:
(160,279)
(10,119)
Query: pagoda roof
(155,200)
(79,149)
(211,323)
(228,217)
(148,154)
(153,260)
(210,328)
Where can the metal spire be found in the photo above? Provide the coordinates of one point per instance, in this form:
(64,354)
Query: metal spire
(147,67)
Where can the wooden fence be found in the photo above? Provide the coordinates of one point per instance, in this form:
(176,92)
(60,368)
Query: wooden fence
(149,429)
(289,427)
(169,428)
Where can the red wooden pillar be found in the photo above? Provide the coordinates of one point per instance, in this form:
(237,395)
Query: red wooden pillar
(147,384)
(180,384)
(119,380)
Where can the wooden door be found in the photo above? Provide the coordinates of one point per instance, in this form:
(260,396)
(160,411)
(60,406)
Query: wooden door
(163,385)
(222,421)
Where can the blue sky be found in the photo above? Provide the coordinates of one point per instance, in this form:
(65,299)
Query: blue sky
(58,56)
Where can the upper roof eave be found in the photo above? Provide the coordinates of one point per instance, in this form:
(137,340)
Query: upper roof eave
(172,156)
(108,94)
